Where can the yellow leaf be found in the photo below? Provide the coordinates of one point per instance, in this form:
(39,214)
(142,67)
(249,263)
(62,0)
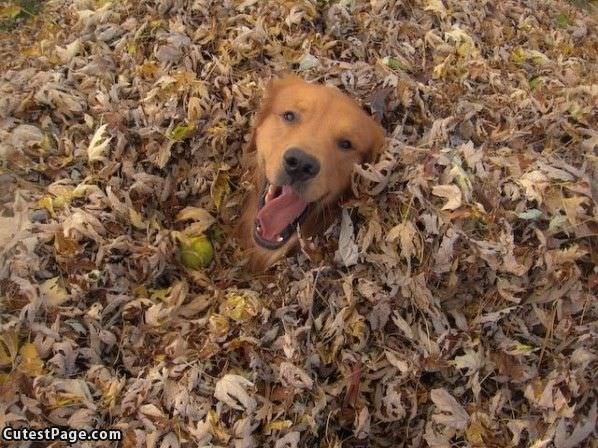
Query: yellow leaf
(32,52)
(573,208)
(464,42)
(579,113)
(218,326)
(522,349)
(441,69)
(410,241)
(9,347)
(31,364)
(69,52)
(157,23)
(141,291)
(220,189)
(47,203)
(208,349)
(518,55)
(476,432)
(82,190)
(10,11)
(521,55)
(194,109)
(102,3)
(241,306)
(60,201)
(356,327)
(111,391)
(277,425)
(148,69)
(53,292)
(394,63)
(328,351)
(436,6)
(184,78)
(159,294)
(563,20)
(181,132)
(216,428)
(98,144)
(136,219)
(218,130)
(535,82)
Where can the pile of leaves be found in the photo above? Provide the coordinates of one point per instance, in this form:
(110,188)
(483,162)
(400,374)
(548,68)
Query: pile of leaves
(451,304)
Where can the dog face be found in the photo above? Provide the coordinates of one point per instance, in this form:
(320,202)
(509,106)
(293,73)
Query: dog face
(307,139)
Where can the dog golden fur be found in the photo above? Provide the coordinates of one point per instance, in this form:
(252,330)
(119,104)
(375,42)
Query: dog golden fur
(305,142)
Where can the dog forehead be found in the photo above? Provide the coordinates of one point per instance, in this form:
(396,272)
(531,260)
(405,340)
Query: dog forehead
(301,96)
(315,98)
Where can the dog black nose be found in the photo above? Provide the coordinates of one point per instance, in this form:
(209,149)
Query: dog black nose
(299,165)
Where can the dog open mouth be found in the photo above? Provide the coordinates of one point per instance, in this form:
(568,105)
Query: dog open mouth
(280,209)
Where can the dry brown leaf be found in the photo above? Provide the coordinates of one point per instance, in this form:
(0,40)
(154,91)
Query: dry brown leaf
(451,413)
(232,390)
(450,192)
(347,249)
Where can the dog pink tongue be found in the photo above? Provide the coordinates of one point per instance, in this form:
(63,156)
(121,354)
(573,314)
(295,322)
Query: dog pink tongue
(279,212)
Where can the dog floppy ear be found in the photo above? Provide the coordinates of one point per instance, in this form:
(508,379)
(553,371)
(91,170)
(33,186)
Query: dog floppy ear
(377,136)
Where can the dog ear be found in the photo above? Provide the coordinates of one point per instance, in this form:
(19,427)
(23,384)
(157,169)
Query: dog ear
(377,136)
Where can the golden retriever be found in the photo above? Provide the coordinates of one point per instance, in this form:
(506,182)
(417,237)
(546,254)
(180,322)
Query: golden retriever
(305,142)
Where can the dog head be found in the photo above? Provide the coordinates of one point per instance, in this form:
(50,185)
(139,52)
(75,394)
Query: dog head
(306,140)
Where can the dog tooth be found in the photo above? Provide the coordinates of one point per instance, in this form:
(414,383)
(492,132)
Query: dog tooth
(280,239)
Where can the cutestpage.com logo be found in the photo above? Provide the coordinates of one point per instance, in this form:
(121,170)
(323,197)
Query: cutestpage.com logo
(55,433)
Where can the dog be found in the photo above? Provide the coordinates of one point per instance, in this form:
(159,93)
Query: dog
(305,142)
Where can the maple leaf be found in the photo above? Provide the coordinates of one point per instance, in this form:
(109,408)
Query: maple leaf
(98,145)
(232,390)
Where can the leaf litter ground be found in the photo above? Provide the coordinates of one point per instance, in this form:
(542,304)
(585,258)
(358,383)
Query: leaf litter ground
(451,304)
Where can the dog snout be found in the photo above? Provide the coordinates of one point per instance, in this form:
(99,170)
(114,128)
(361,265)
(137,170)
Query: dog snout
(299,165)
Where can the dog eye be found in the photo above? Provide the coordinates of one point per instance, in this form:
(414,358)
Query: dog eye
(345,144)
(289,116)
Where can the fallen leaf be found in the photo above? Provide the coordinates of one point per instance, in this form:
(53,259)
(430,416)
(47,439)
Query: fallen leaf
(9,347)
(289,440)
(232,390)
(580,433)
(293,376)
(450,192)
(436,6)
(451,413)
(10,11)
(181,132)
(347,248)
(240,305)
(220,189)
(53,293)
(30,364)
(98,145)
(194,214)
(532,214)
